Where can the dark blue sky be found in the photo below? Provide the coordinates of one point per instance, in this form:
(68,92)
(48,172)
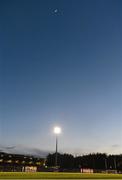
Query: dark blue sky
(62,68)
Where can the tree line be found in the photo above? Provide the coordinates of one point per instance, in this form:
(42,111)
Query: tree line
(98,161)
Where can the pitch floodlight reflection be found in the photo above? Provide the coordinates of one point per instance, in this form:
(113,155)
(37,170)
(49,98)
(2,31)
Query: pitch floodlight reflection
(57,131)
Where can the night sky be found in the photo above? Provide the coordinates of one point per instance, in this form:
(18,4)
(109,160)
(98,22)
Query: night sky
(61,64)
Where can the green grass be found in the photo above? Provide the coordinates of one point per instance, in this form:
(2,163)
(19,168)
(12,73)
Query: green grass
(48,175)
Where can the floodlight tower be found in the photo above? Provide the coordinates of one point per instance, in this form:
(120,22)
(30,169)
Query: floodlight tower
(57,131)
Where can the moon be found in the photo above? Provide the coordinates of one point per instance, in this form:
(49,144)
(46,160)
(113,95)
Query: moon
(56,11)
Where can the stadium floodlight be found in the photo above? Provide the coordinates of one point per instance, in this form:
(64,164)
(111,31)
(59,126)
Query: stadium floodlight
(57,131)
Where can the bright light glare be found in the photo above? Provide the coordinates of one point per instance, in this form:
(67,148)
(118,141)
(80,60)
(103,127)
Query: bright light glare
(57,130)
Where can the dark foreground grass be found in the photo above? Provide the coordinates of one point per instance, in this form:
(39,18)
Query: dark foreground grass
(41,175)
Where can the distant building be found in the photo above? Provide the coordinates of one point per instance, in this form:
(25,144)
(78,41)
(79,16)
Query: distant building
(16,162)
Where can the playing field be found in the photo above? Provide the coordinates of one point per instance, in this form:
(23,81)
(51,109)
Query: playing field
(40,175)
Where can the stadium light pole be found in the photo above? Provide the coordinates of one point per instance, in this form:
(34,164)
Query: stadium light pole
(57,131)
(106,166)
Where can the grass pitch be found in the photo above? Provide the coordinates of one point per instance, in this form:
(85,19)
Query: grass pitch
(48,175)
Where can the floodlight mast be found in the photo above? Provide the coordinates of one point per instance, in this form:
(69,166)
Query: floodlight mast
(56,155)
(57,131)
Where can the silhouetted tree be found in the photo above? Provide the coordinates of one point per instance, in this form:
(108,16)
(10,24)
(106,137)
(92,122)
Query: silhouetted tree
(98,161)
